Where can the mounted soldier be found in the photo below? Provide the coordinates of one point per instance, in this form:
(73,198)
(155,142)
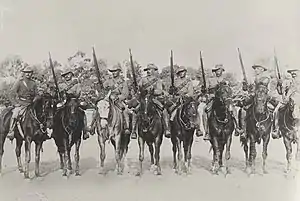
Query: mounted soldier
(151,83)
(213,85)
(260,79)
(24,92)
(119,93)
(182,91)
(70,88)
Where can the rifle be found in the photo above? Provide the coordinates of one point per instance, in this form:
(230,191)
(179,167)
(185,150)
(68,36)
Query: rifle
(203,73)
(242,66)
(135,85)
(172,71)
(54,77)
(278,73)
(97,69)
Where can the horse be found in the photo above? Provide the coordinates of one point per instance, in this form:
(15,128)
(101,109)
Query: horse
(258,127)
(150,130)
(68,126)
(38,115)
(221,126)
(109,124)
(182,133)
(287,127)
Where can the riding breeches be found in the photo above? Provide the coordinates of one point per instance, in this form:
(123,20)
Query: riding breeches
(17,111)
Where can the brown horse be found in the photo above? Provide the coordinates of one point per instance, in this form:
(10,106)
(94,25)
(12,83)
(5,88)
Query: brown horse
(182,134)
(258,127)
(67,130)
(287,126)
(38,113)
(110,126)
(150,130)
(221,126)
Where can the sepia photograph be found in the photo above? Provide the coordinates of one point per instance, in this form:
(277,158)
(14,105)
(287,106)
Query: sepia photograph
(155,100)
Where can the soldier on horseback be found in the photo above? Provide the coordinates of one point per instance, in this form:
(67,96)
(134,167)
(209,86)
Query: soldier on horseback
(183,90)
(25,92)
(151,82)
(119,93)
(70,88)
(205,109)
(260,79)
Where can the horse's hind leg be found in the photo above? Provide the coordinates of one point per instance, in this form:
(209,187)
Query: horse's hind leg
(70,160)
(38,147)
(27,157)
(227,153)
(288,147)
(158,142)
(266,141)
(101,143)
(19,143)
(77,157)
(141,155)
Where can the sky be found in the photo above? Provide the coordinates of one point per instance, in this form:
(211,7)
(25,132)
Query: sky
(32,28)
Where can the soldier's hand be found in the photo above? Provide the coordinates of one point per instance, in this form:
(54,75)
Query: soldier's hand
(172,90)
(245,86)
(279,82)
(203,90)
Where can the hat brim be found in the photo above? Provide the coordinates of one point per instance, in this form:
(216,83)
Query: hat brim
(114,70)
(181,71)
(146,69)
(27,71)
(64,74)
(291,71)
(214,70)
(259,66)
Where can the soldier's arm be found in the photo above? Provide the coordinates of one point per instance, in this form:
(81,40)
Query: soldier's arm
(190,90)
(124,93)
(159,88)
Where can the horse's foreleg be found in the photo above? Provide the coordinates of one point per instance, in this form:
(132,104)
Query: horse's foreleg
(298,147)
(38,147)
(216,149)
(288,147)
(118,154)
(252,156)
(70,160)
(174,149)
(65,158)
(61,160)
(246,151)
(227,153)
(189,155)
(77,157)
(151,150)
(158,142)
(180,156)
(101,143)
(141,155)
(27,157)
(266,141)
(19,143)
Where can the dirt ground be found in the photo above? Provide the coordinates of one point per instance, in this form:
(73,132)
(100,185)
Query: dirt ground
(199,185)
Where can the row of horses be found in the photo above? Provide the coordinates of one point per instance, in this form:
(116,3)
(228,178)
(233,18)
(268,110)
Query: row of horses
(68,123)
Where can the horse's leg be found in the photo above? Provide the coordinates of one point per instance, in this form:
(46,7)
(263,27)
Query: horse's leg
(77,157)
(216,149)
(61,159)
(2,140)
(38,147)
(151,150)
(189,155)
(252,156)
(157,143)
(180,156)
(19,143)
(117,154)
(227,153)
(266,141)
(141,155)
(70,160)
(174,149)
(27,156)
(246,151)
(65,158)
(101,143)
(288,147)
(298,147)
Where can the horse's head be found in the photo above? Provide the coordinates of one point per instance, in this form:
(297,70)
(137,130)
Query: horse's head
(190,113)
(44,108)
(223,98)
(292,106)
(260,99)
(147,109)
(103,107)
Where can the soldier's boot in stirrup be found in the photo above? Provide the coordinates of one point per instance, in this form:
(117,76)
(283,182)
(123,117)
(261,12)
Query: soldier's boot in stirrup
(167,123)
(134,123)
(11,133)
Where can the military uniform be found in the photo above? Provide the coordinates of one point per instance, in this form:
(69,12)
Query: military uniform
(72,89)
(25,92)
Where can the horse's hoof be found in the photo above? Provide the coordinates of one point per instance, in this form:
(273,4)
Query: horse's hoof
(265,172)
(157,173)
(21,170)
(77,174)
(26,176)
(152,167)
(138,174)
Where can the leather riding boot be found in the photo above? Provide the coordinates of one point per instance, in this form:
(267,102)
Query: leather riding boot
(275,130)
(206,128)
(126,127)
(243,123)
(86,129)
(134,124)
(11,133)
(238,131)
(167,123)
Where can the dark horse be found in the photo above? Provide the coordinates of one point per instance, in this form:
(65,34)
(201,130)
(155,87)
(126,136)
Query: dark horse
(258,126)
(150,130)
(110,126)
(68,126)
(182,132)
(221,126)
(37,113)
(287,126)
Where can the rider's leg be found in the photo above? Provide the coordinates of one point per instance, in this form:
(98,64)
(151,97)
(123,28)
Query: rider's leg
(167,123)
(276,132)
(233,111)
(201,112)
(126,119)
(243,122)
(134,125)
(206,114)
(15,113)
(85,129)
(93,123)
